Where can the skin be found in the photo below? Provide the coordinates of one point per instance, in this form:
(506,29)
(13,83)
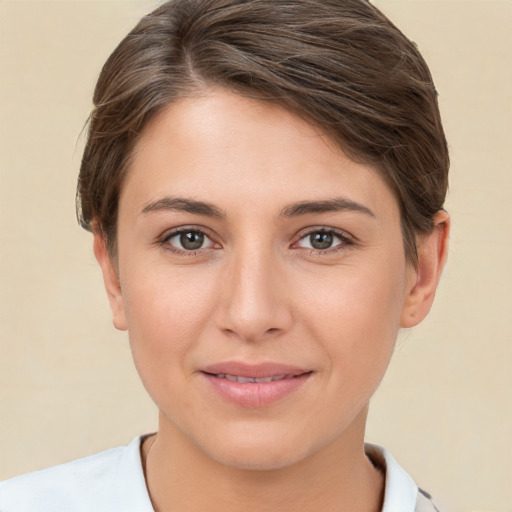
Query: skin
(256,291)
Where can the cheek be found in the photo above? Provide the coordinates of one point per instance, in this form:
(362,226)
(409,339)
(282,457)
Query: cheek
(361,299)
(356,311)
(166,312)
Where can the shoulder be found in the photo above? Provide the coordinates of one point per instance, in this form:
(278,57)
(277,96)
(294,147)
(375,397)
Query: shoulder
(61,487)
(97,482)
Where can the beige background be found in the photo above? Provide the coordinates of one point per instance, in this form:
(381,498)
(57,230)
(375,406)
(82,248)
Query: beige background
(67,384)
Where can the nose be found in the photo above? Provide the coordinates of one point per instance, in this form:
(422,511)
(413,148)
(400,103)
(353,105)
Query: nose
(254,300)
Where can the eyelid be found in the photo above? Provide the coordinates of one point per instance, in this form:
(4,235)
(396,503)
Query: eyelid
(163,239)
(347,240)
(324,229)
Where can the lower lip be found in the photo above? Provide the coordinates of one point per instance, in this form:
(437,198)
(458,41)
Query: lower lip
(256,394)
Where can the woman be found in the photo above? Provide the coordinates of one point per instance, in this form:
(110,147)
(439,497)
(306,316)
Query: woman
(264,181)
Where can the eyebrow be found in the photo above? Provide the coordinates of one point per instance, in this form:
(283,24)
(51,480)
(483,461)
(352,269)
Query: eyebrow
(336,204)
(179,204)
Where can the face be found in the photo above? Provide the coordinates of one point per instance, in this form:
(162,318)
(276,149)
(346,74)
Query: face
(262,278)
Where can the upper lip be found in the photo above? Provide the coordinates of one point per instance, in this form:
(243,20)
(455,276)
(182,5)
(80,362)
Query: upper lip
(258,371)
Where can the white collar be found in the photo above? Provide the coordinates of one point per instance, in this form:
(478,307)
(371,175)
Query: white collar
(400,492)
(130,477)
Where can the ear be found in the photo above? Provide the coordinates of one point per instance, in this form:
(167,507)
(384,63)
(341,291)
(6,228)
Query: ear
(111,280)
(432,253)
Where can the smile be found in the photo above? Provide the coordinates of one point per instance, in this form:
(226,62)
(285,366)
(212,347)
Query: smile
(254,386)
(245,380)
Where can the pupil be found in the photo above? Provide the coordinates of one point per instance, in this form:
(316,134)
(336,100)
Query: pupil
(321,240)
(191,240)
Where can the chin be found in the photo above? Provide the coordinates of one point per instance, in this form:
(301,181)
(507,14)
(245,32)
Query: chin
(258,459)
(258,452)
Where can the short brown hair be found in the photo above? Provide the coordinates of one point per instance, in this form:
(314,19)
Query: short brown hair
(342,65)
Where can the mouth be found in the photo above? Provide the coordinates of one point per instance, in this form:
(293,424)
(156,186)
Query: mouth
(246,380)
(254,386)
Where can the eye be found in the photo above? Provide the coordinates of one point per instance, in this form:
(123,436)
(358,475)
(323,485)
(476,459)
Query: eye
(188,240)
(323,240)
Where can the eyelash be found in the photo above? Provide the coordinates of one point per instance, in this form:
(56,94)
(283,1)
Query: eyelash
(345,240)
(164,241)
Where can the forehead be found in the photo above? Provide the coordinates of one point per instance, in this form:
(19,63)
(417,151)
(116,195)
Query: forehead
(241,151)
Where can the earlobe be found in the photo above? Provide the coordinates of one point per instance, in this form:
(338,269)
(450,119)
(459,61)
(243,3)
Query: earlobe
(432,253)
(110,279)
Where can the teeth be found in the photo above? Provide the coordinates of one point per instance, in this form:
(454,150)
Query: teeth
(245,380)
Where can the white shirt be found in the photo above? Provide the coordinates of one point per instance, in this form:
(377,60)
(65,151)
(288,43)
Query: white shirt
(113,481)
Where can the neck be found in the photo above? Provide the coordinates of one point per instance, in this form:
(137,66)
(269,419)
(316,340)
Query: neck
(337,477)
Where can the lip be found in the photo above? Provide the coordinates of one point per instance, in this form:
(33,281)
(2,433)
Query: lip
(286,380)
